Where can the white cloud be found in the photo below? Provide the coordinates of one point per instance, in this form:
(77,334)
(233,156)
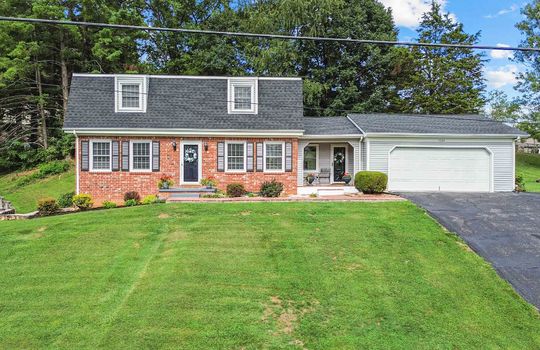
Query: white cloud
(503,12)
(407,13)
(498,54)
(502,76)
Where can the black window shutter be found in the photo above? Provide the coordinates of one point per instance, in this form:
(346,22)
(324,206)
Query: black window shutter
(260,165)
(85,157)
(125,155)
(249,158)
(115,155)
(288,156)
(155,155)
(221,156)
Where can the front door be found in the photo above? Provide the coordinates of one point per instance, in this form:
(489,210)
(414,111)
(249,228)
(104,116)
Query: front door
(191,163)
(338,163)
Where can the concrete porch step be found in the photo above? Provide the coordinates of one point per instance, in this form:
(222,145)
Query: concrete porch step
(188,190)
(180,196)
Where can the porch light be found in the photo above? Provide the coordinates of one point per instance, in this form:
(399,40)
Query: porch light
(205,146)
(173,144)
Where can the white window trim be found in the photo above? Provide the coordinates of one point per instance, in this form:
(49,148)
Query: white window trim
(131,80)
(243,170)
(317,166)
(282,143)
(131,155)
(91,155)
(251,82)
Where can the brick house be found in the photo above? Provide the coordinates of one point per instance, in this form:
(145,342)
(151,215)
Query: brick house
(132,129)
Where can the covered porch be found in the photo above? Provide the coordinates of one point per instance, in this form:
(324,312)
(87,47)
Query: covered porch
(328,160)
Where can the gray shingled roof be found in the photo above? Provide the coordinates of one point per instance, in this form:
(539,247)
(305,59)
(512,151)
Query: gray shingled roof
(183,103)
(432,124)
(329,126)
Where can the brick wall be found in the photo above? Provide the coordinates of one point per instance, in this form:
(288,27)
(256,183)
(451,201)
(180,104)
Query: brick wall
(112,185)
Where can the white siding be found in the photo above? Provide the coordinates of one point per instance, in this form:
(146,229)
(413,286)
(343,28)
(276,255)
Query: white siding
(502,149)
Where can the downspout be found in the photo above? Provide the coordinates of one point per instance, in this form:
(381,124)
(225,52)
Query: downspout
(361,139)
(76,162)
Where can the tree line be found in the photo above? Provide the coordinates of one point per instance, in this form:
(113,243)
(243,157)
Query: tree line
(37,60)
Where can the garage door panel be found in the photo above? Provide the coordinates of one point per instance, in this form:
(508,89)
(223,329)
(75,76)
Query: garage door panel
(439,169)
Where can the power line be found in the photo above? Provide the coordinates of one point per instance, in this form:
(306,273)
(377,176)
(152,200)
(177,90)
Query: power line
(268,36)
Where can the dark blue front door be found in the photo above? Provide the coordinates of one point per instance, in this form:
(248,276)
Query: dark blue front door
(191,163)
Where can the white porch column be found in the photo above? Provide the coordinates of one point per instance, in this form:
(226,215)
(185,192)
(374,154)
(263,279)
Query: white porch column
(301,145)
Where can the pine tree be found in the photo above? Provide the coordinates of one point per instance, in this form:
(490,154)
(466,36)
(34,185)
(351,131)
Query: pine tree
(529,81)
(442,80)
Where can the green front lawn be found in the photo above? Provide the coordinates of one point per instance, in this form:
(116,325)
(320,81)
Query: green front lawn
(24,198)
(528,165)
(252,276)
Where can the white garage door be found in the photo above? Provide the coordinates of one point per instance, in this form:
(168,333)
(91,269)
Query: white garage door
(439,169)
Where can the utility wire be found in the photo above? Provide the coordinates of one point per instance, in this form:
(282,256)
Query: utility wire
(267,36)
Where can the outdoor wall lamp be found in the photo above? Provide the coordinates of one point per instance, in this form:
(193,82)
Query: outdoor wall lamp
(173,144)
(205,146)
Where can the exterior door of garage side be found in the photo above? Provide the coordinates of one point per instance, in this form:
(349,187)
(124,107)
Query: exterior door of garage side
(439,169)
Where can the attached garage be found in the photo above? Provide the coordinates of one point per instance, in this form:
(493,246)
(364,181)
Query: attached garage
(447,169)
(461,153)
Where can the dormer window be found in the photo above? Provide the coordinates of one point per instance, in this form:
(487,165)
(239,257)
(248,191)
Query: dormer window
(242,96)
(130,94)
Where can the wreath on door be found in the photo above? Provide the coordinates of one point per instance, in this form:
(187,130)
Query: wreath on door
(339,158)
(190,155)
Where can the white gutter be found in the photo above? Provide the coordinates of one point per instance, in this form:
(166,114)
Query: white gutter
(381,134)
(185,132)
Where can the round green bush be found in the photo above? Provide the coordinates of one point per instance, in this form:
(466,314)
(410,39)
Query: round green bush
(47,206)
(108,205)
(83,201)
(235,190)
(150,199)
(66,200)
(271,188)
(131,203)
(370,182)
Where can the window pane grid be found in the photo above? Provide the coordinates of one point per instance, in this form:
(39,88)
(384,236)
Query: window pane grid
(235,156)
(274,157)
(141,156)
(130,95)
(101,154)
(242,97)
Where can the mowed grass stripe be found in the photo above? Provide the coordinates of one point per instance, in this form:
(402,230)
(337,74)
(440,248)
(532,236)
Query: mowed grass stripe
(253,275)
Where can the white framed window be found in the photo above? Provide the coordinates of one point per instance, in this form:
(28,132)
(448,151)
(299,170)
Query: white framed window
(311,158)
(100,155)
(242,96)
(235,156)
(274,156)
(141,155)
(130,94)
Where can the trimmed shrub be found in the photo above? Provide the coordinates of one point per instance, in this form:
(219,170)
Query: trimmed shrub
(235,190)
(108,205)
(132,195)
(271,188)
(131,203)
(371,182)
(150,199)
(520,184)
(66,200)
(83,201)
(47,206)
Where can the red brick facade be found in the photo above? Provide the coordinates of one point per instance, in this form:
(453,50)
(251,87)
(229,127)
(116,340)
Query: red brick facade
(112,185)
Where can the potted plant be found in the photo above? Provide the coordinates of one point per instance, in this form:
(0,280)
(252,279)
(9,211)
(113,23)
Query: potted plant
(346,178)
(209,182)
(165,182)
(310,178)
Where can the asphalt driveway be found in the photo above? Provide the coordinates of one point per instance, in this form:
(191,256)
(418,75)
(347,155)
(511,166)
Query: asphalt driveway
(504,228)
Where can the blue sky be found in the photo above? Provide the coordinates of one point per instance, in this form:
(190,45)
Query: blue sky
(495,19)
